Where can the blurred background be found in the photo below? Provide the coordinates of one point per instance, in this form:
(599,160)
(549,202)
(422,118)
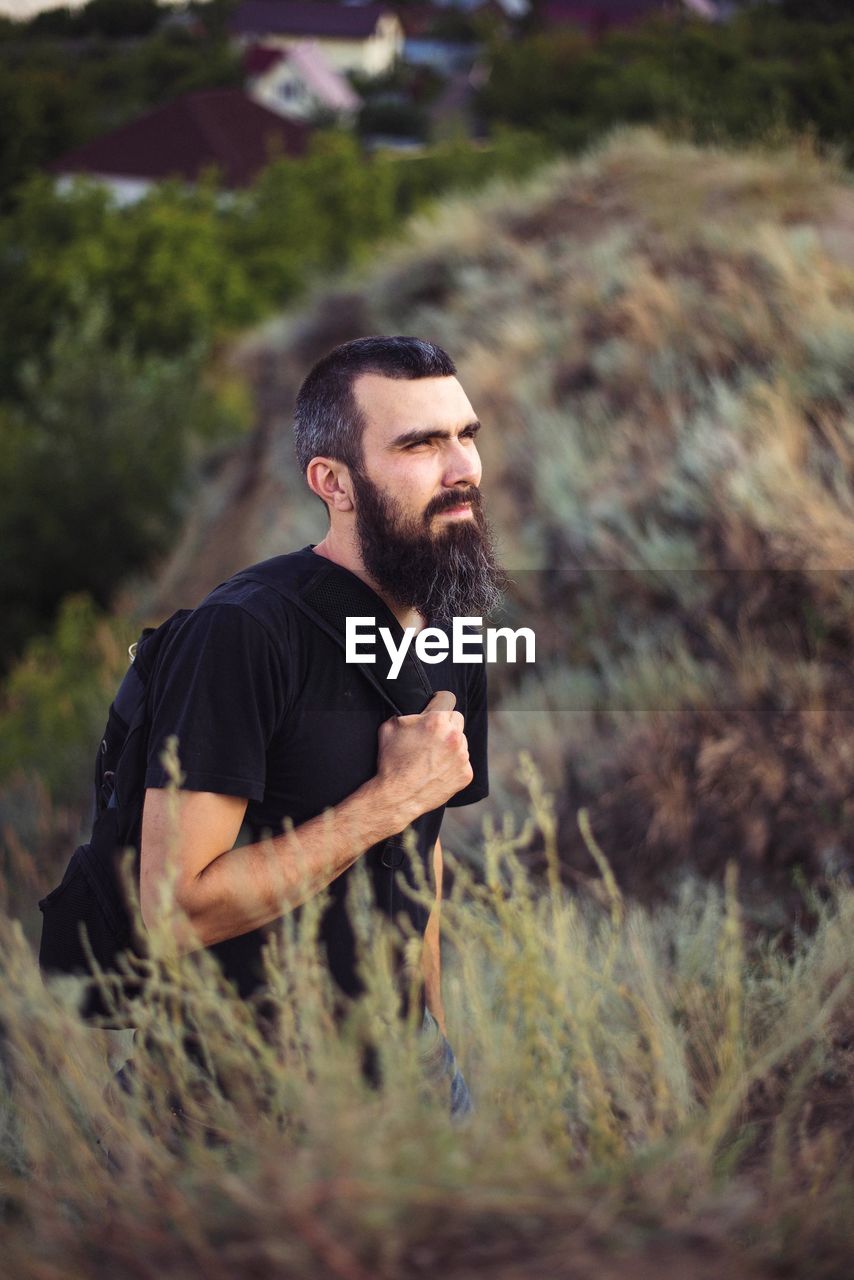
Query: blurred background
(631,223)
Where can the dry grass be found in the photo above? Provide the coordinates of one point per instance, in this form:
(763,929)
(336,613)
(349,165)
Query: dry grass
(651,1091)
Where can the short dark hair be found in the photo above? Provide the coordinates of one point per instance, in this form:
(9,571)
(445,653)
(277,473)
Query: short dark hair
(327,419)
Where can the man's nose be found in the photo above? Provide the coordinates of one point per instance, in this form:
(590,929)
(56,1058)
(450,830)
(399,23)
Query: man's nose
(463,466)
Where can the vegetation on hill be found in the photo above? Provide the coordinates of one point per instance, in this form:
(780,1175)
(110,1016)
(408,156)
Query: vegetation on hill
(766,69)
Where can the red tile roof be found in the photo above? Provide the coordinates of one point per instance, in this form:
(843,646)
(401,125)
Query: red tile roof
(306,18)
(259,58)
(221,127)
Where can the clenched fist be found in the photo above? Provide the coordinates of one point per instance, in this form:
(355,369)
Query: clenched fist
(424,759)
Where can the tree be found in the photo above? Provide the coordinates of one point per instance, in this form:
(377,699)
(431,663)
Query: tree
(93,465)
(118,18)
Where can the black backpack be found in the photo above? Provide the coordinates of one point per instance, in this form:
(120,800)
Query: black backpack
(91,892)
(88,917)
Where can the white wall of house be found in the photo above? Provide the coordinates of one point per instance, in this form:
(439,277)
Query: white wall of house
(371,57)
(125,191)
(282,90)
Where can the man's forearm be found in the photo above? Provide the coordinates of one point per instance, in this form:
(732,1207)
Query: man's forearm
(250,885)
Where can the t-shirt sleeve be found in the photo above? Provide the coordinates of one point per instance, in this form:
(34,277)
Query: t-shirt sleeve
(220,689)
(476,727)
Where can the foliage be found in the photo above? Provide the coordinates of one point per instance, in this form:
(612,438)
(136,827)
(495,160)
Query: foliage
(56,699)
(649,1090)
(740,79)
(94,462)
(307,216)
(111,315)
(398,119)
(183,267)
(459,166)
(816,10)
(118,18)
(57,94)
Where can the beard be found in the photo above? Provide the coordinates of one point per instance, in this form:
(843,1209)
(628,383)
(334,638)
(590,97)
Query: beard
(447,574)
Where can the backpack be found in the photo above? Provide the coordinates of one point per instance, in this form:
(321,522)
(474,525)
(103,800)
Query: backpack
(90,895)
(87,917)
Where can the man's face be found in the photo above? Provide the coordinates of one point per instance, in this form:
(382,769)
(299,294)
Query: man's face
(422,533)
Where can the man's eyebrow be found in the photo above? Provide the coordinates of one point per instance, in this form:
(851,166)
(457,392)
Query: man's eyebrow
(417,434)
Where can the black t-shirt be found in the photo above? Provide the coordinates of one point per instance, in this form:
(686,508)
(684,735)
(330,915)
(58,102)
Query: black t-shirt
(265,706)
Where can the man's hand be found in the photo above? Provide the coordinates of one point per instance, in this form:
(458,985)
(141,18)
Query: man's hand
(424,759)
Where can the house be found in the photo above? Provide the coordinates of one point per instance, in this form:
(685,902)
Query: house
(595,17)
(299,83)
(367,38)
(221,128)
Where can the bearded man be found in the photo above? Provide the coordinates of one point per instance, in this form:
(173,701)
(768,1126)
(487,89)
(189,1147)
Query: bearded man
(293,769)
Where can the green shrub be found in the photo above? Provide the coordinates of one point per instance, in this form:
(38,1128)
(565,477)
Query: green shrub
(94,462)
(54,703)
(398,119)
(739,79)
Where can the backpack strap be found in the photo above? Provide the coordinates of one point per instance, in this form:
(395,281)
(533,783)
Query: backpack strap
(328,598)
(331,596)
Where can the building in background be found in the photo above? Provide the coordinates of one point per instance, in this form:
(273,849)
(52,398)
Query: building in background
(596,17)
(299,83)
(367,38)
(213,128)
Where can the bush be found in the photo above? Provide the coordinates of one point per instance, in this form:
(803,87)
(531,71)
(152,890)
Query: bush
(399,119)
(737,80)
(54,704)
(93,466)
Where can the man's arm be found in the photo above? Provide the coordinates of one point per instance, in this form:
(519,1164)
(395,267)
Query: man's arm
(225,891)
(431,955)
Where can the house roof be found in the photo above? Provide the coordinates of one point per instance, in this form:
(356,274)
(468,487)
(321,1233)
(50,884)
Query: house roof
(260,58)
(594,16)
(306,18)
(181,139)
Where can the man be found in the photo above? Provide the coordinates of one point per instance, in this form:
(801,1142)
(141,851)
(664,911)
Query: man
(278,736)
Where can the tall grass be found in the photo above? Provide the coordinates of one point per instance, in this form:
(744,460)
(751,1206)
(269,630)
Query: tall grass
(645,1084)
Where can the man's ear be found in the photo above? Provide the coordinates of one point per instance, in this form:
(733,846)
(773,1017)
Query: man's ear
(330,480)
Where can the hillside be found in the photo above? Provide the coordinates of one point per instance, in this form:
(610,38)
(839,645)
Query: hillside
(660,342)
